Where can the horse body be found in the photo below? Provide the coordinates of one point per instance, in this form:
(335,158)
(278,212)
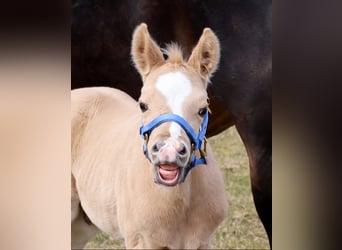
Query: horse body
(113,180)
(119,196)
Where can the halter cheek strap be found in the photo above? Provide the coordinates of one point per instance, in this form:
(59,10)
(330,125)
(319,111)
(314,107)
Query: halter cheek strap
(196,138)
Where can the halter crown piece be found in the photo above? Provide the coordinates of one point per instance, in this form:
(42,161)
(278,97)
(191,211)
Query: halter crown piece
(195,138)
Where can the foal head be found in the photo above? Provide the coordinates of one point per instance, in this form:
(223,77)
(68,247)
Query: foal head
(175,87)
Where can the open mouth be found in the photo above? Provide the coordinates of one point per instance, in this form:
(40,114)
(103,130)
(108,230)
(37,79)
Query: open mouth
(168,174)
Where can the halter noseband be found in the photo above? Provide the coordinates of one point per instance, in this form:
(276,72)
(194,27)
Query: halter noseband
(196,139)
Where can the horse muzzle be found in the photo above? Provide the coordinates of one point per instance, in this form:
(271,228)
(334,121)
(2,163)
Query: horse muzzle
(169,159)
(172,165)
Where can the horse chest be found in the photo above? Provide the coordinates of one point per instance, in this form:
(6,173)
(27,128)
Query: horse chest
(167,218)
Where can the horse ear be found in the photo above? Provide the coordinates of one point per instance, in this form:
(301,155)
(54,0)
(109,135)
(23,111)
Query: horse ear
(145,52)
(206,55)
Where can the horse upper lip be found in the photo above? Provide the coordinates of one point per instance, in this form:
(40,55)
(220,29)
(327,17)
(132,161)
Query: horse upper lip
(168,166)
(175,164)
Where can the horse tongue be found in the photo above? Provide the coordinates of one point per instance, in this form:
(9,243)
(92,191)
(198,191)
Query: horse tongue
(168,172)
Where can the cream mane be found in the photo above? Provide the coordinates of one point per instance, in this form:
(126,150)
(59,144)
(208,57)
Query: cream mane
(174,53)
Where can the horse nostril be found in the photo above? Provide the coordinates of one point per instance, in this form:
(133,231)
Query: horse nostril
(157,146)
(183,150)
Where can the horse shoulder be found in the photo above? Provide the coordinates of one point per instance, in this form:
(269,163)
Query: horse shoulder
(94,112)
(90,105)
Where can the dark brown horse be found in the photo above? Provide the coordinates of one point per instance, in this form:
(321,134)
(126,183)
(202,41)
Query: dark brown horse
(241,93)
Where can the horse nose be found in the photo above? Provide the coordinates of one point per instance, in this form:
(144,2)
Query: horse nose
(178,146)
(170,150)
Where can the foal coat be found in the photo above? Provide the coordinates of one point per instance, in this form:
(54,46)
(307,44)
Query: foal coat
(112,181)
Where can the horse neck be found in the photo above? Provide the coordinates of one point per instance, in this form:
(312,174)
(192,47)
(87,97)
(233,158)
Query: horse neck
(180,194)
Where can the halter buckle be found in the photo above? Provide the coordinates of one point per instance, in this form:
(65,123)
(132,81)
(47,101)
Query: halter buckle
(146,137)
(203,152)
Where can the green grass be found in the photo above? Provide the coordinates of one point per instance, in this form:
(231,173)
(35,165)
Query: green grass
(242,228)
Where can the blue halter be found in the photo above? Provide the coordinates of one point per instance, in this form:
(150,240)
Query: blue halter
(196,139)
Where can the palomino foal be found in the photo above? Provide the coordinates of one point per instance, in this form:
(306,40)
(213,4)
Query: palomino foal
(143,189)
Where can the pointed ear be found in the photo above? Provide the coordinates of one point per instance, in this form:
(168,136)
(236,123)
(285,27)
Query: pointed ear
(206,55)
(145,52)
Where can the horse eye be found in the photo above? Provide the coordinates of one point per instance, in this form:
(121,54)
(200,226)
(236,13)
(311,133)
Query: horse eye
(143,106)
(202,112)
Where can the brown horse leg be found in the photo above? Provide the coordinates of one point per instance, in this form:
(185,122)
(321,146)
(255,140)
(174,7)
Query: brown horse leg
(263,205)
(261,182)
(260,163)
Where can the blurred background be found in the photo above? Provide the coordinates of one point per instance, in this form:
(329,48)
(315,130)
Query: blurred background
(35,128)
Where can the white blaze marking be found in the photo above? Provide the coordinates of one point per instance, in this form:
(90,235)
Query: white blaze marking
(175,86)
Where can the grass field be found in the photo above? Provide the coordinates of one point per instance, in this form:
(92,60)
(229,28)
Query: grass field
(242,228)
